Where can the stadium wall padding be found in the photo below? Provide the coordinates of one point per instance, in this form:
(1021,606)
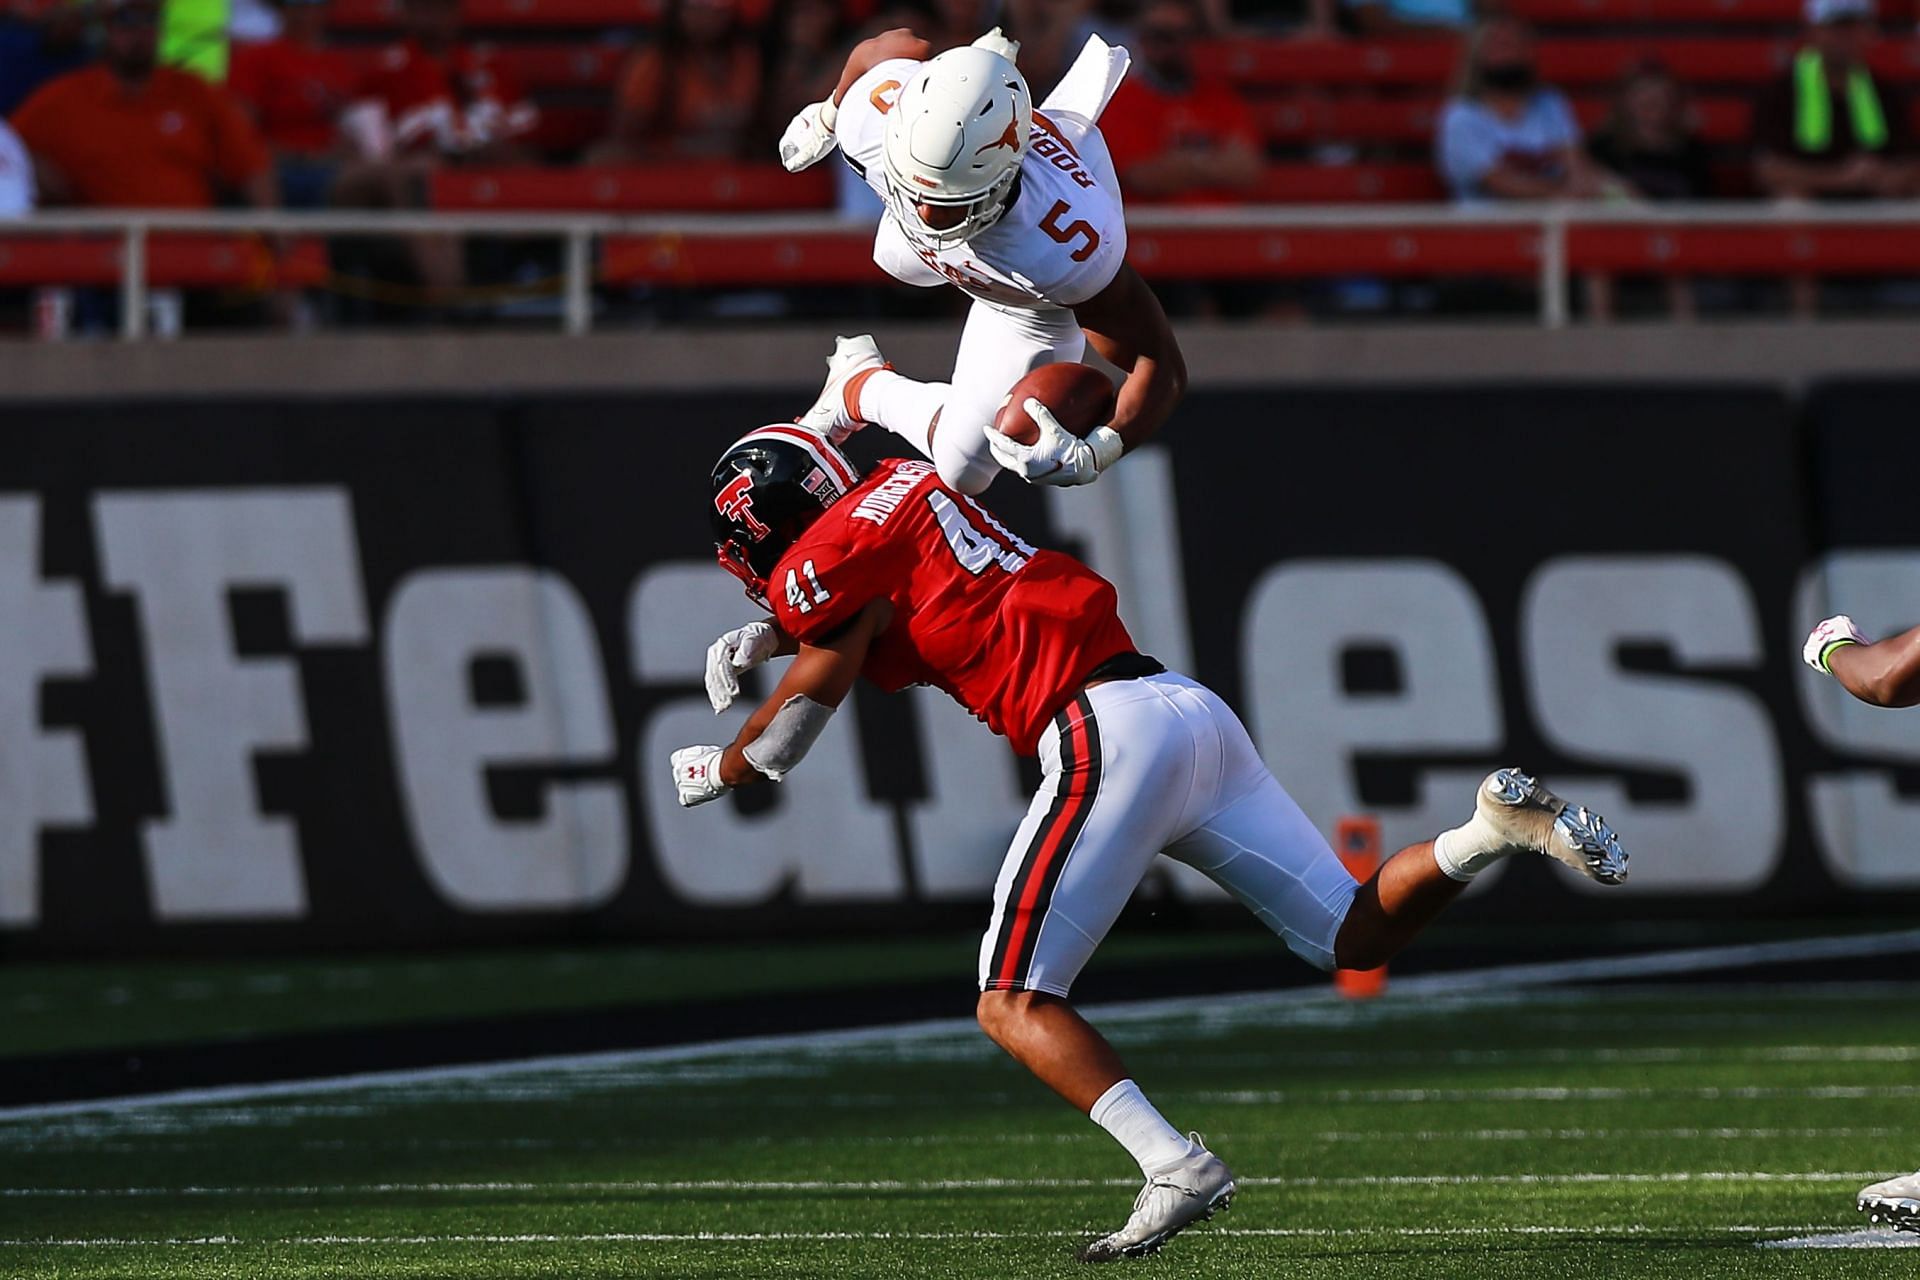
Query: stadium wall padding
(405,672)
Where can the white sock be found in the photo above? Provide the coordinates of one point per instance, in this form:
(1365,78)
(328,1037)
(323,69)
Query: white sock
(1124,1112)
(902,405)
(1470,848)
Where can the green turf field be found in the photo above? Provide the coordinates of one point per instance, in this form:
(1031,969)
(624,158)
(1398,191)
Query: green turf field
(1649,1132)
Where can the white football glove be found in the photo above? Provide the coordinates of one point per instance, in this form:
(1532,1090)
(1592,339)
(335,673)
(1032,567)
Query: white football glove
(1838,629)
(696,775)
(1058,456)
(741,649)
(809,137)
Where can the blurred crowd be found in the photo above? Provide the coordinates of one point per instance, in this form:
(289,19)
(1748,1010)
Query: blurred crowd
(202,103)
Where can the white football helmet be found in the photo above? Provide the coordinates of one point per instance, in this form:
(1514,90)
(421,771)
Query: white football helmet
(956,136)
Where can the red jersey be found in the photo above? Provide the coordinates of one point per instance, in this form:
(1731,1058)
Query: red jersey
(1144,122)
(457,103)
(297,92)
(1010,632)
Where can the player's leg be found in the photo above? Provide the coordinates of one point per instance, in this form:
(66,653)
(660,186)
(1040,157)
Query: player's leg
(945,420)
(999,346)
(1089,837)
(1261,848)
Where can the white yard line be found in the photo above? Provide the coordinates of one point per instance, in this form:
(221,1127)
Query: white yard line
(1504,979)
(1548,1093)
(1089,1137)
(752,1237)
(748,1185)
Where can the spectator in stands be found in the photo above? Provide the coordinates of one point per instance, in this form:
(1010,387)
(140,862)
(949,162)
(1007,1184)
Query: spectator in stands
(952,23)
(437,97)
(693,93)
(37,43)
(16,175)
(1051,33)
(803,48)
(1830,129)
(1505,136)
(297,89)
(130,133)
(1648,140)
(1409,17)
(1174,136)
(431,100)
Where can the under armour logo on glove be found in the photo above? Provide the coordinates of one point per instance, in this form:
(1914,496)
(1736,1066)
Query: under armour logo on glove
(1835,633)
(696,775)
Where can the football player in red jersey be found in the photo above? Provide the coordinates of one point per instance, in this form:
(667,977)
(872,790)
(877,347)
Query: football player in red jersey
(906,580)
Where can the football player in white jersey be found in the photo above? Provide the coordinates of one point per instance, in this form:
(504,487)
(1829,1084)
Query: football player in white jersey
(1881,673)
(1015,205)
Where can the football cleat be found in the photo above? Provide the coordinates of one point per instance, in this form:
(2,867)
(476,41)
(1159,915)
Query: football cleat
(1529,816)
(1895,1202)
(1173,1200)
(836,413)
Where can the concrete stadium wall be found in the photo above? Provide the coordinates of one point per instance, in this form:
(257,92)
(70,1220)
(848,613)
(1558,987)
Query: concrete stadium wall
(788,357)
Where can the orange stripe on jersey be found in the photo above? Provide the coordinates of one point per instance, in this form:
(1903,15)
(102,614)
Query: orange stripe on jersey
(1058,136)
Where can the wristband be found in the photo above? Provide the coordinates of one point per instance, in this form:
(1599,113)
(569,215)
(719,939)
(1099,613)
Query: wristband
(1107,447)
(829,113)
(1826,654)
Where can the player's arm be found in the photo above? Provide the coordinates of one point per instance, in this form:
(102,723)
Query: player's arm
(778,735)
(1885,673)
(809,138)
(1126,325)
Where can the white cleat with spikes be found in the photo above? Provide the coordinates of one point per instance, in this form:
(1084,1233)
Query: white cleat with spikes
(836,412)
(1173,1200)
(1528,816)
(1894,1203)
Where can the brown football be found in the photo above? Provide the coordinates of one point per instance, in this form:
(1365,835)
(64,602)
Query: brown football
(1079,395)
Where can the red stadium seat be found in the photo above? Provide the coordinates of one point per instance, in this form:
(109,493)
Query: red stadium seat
(1348,183)
(1629,13)
(383,15)
(173,261)
(1410,122)
(567,128)
(709,187)
(1431,63)
(1745,251)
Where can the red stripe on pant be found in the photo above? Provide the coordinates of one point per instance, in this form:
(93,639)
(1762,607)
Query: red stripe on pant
(1078,794)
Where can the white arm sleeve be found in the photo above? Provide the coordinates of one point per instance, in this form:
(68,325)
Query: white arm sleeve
(787,739)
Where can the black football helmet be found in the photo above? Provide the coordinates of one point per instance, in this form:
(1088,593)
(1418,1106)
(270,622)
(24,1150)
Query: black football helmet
(767,488)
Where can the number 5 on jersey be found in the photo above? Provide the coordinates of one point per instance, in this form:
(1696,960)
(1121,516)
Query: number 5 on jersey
(1072,231)
(797,594)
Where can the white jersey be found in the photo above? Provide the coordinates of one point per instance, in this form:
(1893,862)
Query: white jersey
(1062,240)
(16,175)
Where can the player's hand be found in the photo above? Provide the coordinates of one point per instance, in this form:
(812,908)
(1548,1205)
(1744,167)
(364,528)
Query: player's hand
(741,649)
(1837,630)
(1057,457)
(696,775)
(809,137)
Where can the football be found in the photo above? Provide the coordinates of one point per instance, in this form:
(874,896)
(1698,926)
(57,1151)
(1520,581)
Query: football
(1079,395)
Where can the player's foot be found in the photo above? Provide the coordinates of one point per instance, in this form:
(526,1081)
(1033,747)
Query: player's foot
(836,413)
(1527,815)
(1895,1202)
(1173,1200)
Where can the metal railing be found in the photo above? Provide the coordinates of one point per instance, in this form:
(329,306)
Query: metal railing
(579,232)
